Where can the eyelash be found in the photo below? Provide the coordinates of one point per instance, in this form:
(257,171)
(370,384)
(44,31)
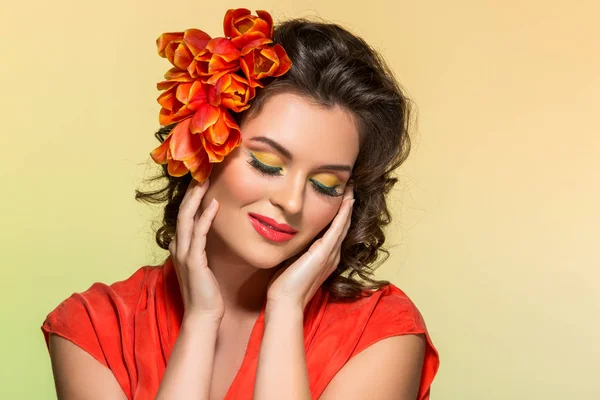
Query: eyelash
(274,171)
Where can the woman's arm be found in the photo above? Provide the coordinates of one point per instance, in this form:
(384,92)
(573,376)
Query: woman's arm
(282,371)
(189,370)
(78,375)
(393,365)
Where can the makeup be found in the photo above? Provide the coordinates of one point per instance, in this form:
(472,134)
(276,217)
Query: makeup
(270,229)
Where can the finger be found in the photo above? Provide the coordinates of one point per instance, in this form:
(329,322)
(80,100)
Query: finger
(349,198)
(185,217)
(193,183)
(347,224)
(336,247)
(348,192)
(173,246)
(334,231)
(198,240)
(329,238)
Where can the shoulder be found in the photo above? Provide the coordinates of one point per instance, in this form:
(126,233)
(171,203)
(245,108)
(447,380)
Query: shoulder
(387,310)
(385,322)
(395,316)
(77,373)
(391,309)
(83,316)
(101,321)
(395,363)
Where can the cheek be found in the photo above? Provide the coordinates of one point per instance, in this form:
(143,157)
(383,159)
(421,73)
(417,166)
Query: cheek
(233,183)
(320,216)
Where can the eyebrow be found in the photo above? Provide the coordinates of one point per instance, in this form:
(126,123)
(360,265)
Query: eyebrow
(287,154)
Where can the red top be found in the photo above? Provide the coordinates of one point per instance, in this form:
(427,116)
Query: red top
(131,327)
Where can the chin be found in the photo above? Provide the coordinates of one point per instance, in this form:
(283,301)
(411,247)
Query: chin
(260,253)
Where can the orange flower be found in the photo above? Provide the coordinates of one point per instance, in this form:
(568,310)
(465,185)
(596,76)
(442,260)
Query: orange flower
(195,52)
(239,22)
(183,152)
(221,137)
(185,149)
(177,99)
(219,57)
(206,82)
(264,61)
(181,99)
(234,92)
(180,48)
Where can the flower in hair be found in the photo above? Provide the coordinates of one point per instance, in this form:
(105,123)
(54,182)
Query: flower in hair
(210,78)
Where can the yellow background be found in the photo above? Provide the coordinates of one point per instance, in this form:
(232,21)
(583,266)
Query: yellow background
(497,218)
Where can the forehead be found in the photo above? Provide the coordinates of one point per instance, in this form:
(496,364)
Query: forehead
(309,131)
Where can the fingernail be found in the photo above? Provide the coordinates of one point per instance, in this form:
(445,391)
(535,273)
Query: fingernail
(213,203)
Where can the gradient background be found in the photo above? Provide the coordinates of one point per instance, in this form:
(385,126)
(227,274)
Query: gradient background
(497,219)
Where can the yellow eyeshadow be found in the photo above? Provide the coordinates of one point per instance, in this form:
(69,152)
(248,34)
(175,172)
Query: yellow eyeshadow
(268,158)
(327,179)
(272,160)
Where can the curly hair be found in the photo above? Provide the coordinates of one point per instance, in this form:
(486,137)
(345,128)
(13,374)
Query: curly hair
(331,66)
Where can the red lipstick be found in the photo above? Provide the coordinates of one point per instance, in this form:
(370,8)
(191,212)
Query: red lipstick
(271,229)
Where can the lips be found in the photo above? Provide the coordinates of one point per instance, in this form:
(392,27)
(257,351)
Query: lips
(270,229)
(271,223)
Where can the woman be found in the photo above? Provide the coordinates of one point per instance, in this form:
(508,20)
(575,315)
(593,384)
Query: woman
(299,128)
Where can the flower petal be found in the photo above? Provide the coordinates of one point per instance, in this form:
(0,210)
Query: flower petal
(247,65)
(163,41)
(183,92)
(218,132)
(184,144)
(205,116)
(176,168)
(235,92)
(224,48)
(261,26)
(165,117)
(199,166)
(196,40)
(181,114)
(265,63)
(197,94)
(178,75)
(178,54)
(202,173)
(265,16)
(231,16)
(218,64)
(284,61)
(159,154)
(216,153)
(167,100)
(250,41)
(165,85)
(214,78)
(182,57)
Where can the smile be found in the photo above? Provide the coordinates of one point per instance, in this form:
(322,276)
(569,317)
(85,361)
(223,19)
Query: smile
(269,231)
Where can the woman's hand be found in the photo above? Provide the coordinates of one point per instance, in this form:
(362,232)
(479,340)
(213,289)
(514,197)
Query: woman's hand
(199,288)
(298,280)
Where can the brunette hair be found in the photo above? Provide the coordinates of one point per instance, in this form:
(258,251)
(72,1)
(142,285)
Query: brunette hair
(331,66)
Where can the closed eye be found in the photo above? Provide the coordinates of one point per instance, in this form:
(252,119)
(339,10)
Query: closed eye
(268,170)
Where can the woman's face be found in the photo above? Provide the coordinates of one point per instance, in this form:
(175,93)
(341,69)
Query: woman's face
(292,166)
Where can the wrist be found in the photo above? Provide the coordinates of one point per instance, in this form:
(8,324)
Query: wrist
(282,308)
(203,320)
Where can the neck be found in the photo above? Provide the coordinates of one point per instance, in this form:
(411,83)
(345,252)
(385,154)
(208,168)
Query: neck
(243,286)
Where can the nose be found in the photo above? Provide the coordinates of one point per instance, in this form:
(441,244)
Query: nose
(288,194)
